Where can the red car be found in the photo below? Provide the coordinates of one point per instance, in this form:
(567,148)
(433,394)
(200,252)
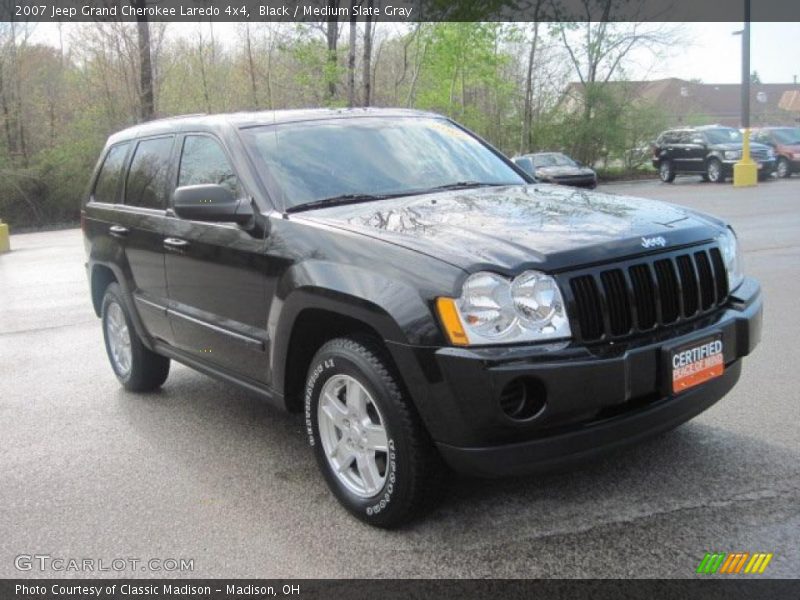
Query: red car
(786,142)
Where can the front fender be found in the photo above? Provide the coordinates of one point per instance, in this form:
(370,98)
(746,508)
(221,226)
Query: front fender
(397,311)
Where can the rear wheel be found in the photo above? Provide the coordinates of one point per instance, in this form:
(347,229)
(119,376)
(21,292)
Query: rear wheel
(666,171)
(714,171)
(370,444)
(137,368)
(783,169)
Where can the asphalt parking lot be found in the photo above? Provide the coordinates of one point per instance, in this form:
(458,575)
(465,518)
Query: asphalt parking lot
(205,472)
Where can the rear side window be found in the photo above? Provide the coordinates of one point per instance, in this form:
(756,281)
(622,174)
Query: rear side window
(669,137)
(204,161)
(105,188)
(147,178)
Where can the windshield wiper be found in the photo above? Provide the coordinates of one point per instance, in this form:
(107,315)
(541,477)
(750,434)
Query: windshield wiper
(354,198)
(342,199)
(463,185)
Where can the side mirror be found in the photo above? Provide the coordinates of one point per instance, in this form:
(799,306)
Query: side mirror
(526,164)
(210,202)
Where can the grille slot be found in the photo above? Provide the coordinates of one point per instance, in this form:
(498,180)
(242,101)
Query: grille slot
(668,290)
(590,310)
(652,292)
(619,308)
(720,274)
(706,280)
(644,294)
(688,285)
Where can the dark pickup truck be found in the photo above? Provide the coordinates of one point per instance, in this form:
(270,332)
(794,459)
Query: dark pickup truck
(412,293)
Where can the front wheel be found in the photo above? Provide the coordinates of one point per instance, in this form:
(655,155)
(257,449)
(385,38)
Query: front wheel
(783,169)
(666,171)
(137,368)
(714,171)
(370,444)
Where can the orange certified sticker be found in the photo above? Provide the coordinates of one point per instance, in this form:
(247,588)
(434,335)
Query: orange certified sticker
(696,364)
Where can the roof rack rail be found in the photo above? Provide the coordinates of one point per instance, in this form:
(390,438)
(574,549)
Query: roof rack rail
(186,116)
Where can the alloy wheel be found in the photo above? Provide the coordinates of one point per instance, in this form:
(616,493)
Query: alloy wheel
(353,435)
(119,338)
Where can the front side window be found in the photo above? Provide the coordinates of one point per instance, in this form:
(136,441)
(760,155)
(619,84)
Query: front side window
(105,188)
(147,178)
(371,156)
(204,161)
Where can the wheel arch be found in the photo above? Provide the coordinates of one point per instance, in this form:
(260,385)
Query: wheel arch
(101,277)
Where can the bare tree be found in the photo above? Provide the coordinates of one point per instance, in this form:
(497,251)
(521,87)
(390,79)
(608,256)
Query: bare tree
(351,59)
(146,98)
(332,37)
(367,59)
(250,65)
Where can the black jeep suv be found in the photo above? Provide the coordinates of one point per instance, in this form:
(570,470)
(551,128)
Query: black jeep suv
(709,151)
(411,292)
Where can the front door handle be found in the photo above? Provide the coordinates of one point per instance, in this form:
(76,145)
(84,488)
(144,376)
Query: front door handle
(175,244)
(118,231)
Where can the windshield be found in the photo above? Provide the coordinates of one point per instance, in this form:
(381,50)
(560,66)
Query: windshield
(370,156)
(723,135)
(790,135)
(552,160)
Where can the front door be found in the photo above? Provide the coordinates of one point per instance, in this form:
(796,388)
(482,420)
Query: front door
(216,274)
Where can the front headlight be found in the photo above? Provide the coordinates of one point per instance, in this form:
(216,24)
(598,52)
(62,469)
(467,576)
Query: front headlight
(493,309)
(732,256)
(733,154)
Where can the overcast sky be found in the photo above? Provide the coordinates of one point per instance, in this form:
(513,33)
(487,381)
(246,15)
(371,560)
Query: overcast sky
(711,53)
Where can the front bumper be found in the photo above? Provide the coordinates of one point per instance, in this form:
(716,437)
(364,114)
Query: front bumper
(764,166)
(597,398)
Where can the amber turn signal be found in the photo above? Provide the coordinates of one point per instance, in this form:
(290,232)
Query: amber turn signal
(448,315)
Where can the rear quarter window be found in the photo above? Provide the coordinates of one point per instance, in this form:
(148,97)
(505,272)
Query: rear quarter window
(107,184)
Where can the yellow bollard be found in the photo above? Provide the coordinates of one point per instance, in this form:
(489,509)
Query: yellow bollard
(745,172)
(5,243)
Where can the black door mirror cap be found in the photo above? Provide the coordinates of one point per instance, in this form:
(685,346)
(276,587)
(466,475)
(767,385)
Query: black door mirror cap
(211,203)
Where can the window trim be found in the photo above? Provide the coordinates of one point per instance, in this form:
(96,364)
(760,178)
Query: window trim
(170,166)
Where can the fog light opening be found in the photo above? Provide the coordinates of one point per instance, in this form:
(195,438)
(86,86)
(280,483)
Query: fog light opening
(523,398)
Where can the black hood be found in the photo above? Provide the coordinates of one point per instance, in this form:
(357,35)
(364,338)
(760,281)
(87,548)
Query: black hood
(533,226)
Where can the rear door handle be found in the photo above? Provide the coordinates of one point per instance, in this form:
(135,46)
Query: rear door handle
(118,231)
(175,243)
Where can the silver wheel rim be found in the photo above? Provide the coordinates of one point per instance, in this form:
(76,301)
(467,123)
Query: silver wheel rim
(353,435)
(664,171)
(713,171)
(783,168)
(119,339)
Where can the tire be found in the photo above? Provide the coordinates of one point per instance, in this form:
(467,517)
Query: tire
(784,169)
(351,393)
(666,171)
(704,177)
(714,171)
(137,368)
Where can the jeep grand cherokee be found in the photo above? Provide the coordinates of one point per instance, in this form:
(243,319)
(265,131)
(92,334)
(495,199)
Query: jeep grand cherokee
(411,292)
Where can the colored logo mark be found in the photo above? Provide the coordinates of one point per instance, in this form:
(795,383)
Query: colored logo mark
(738,562)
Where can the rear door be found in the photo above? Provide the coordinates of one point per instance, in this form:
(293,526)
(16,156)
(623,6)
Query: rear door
(139,224)
(216,273)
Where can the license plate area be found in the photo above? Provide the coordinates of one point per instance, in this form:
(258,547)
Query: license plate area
(696,362)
